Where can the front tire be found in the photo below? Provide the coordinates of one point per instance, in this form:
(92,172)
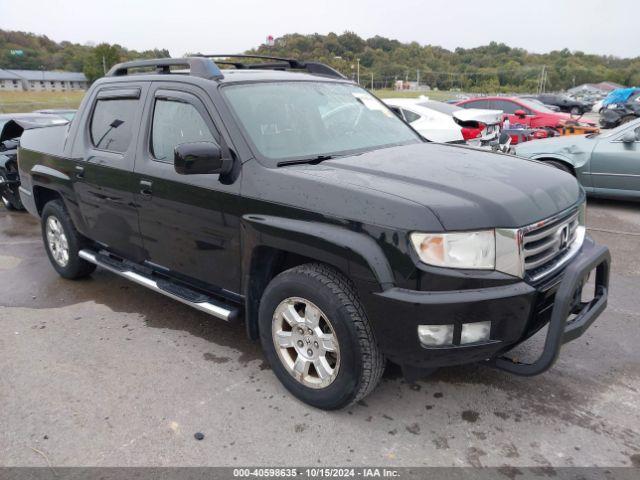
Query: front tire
(63,242)
(317,338)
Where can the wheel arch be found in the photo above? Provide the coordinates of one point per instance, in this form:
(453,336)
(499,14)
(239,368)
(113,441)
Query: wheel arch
(559,159)
(272,245)
(43,195)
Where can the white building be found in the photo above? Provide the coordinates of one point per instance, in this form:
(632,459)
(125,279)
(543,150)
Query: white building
(41,80)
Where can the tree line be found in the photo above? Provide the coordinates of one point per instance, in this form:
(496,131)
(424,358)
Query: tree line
(381,61)
(22,50)
(492,68)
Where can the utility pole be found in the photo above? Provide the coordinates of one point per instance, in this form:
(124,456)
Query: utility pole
(104,65)
(371,80)
(418,77)
(358,71)
(543,80)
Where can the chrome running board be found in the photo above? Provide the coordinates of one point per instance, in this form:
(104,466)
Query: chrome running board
(199,301)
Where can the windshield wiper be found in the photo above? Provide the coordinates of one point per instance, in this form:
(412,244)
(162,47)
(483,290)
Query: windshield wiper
(305,161)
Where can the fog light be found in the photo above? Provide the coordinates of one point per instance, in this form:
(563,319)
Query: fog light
(435,335)
(475,332)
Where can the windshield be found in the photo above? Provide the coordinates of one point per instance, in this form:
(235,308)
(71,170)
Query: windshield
(299,120)
(535,105)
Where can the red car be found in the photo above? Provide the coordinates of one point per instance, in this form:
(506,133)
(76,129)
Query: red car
(522,111)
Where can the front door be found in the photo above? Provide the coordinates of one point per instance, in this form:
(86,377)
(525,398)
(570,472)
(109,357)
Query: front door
(103,176)
(615,165)
(189,223)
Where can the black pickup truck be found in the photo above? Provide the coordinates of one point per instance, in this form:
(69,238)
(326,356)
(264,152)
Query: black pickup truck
(278,193)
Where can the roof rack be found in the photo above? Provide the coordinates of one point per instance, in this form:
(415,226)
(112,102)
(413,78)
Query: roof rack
(203,66)
(198,67)
(276,63)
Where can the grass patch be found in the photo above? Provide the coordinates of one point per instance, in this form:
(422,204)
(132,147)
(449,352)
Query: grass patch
(440,95)
(16,102)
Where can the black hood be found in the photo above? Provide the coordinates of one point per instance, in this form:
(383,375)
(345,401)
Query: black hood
(465,188)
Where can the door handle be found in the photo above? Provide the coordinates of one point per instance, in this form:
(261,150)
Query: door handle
(79,171)
(146,188)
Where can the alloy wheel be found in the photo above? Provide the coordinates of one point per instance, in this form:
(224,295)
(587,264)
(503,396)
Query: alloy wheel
(57,240)
(306,342)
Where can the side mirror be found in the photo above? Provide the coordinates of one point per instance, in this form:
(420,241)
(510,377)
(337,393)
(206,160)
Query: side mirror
(520,113)
(629,137)
(200,158)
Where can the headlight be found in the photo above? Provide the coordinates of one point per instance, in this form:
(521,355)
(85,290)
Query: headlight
(475,250)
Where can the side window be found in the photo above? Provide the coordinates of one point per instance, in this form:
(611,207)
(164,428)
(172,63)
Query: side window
(481,104)
(510,107)
(410,116)
(174,123)
(112,124)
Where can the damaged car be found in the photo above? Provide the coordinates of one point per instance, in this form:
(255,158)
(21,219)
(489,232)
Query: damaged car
(445,123)
(606,164)
(620,108)
(11,128)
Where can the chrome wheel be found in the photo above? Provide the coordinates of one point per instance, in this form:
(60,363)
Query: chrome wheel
(306,342)
(57,240)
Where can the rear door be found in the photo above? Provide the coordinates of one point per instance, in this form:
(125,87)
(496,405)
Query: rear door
(189,223)
(103,176)
(615,165)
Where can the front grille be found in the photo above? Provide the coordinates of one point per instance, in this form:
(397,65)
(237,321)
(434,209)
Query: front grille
(547,245)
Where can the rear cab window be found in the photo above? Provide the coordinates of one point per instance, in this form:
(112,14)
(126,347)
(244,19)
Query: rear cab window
(112,125)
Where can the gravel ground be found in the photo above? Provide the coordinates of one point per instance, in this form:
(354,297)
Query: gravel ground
(102,372)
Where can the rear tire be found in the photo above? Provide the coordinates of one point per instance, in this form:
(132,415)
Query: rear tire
(63,242)
(560,166)
(302,311)
(6,202)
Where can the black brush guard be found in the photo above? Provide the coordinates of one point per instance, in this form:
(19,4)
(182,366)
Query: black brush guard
(561,330)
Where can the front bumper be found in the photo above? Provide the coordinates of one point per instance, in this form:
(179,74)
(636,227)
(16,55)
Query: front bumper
(516,312)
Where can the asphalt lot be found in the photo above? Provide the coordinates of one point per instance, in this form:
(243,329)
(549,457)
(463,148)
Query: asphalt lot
(103,372)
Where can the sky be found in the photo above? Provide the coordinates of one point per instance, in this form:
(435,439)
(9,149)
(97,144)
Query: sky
(232,26)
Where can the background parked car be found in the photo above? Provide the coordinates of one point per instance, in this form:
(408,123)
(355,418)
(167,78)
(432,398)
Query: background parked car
(443,122)
(65,113)
(33,117)
(621,108)
(11,128)
(606,164)
(521,111)
(553,108)
(565,103)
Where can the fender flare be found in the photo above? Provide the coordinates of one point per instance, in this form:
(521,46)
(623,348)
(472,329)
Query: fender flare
(330,243)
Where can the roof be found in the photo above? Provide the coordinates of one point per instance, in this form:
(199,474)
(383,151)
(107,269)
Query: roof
(230,76)
(8,75)
(242,75)
(204,67)
(602,86)
(45,75)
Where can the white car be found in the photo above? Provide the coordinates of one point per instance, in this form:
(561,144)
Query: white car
(446,123)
